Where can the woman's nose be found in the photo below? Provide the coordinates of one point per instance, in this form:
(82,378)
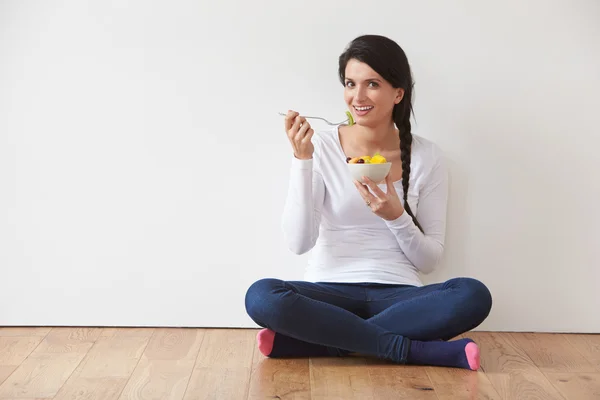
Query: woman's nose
(361,93)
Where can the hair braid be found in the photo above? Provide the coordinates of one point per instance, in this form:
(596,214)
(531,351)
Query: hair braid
(403,123)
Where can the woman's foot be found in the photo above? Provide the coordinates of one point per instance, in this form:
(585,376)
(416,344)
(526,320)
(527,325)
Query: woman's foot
(265,339)
(274,345)
(462,353)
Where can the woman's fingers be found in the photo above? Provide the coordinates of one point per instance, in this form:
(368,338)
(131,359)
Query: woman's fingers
(308,136)
(376,190)
(297,124)
(364,192)
(297,127)
(299,134)
(289,120)
(302,131)
(293,130)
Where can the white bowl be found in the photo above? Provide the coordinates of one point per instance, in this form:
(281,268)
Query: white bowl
(375,172)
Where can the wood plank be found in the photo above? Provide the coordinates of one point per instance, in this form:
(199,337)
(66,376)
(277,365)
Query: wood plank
(588,345)
(127,332)
(499,353)
(174,344)
(279,378)
(340,378)
(68,340)
(6,371)
(524,385)
(454,383)
(158,380)
(227,348)
(223,365)
(113,357)
(220,383)
(106,368)
(41,375)
(552,352)
(81,334)
(166,365)
(390,381)
(80,388)
(580,386)
(15,349)
(510,370)
(24,331)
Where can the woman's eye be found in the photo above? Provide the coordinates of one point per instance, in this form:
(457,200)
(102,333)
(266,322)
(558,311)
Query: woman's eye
(371,84)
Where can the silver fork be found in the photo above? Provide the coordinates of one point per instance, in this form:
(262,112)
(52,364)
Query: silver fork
(323,119)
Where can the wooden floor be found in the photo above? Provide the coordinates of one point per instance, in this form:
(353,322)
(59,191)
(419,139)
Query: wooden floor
(172,363)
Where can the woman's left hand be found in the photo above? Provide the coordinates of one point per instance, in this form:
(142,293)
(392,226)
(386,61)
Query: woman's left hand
(386,205)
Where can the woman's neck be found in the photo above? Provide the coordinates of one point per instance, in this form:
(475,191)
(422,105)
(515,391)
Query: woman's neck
(376,139)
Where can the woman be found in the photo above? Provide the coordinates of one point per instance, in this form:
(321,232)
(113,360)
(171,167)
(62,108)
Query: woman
(362,292)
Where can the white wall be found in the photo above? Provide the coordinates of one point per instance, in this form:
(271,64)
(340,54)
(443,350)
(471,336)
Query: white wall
(129,193)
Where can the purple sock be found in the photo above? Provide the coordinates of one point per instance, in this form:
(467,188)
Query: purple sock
(462,353)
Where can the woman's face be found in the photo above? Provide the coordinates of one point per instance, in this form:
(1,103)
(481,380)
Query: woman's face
(370,98)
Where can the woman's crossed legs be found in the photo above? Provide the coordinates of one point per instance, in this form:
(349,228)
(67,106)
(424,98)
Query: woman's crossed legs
(401,323)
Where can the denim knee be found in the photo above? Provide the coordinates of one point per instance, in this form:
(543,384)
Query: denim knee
(258,299)
(476,295)
(479,296)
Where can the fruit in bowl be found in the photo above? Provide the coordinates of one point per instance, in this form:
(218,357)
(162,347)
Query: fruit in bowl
(374,167)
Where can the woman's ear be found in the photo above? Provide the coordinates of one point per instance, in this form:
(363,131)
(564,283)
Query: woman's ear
(399,96)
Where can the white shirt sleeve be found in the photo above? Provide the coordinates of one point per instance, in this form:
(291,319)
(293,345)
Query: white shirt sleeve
(304,202)
(425,249)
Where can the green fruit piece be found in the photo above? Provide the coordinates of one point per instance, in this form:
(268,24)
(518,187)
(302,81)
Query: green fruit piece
(350,119)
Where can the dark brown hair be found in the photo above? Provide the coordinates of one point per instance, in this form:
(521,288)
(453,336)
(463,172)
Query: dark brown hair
(388,59)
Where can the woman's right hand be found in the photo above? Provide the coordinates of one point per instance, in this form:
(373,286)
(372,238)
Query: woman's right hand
(299,133)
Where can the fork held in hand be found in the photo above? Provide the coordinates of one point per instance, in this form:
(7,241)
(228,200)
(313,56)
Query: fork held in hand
(323,119)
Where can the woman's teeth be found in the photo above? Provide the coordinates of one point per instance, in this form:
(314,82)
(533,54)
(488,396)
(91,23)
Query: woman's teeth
(362,111)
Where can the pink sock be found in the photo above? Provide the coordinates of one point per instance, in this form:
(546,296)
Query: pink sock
(265,339)
(472,353)
(287,346)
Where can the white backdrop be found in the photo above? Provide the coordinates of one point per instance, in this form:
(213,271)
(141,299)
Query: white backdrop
(143,166)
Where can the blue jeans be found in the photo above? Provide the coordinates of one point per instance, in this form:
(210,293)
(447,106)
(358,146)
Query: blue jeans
(373,319)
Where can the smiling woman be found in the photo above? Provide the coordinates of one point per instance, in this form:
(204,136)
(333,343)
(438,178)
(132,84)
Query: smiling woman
(362,292)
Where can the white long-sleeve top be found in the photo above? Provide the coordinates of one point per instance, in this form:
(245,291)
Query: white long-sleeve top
(325,215)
